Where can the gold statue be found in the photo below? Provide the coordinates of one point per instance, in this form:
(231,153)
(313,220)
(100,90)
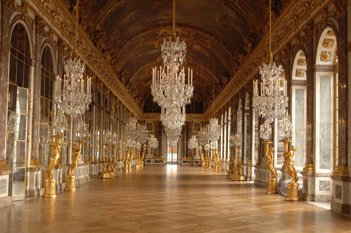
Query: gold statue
(76,153)
(202,160)
(218,162)
(77,150)
(293,192)
(230,173)
(289,161)
(269,155)
(50,183)
(270,162)
(127,162)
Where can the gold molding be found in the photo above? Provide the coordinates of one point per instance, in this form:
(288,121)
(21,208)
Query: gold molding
(56,14)
(291,21)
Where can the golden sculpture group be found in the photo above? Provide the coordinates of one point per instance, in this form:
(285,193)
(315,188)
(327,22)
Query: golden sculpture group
(50,183)
(76,154)
(235,172)
(109,163)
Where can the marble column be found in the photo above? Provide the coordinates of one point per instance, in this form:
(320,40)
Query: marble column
(341,177)
(308,170)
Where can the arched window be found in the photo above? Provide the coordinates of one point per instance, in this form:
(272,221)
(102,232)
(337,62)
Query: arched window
(325,107)
(19,79)
(299,107)
(47,85)
(46,102)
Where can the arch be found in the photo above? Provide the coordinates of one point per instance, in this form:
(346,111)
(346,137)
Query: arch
(47,45)
(326,48)
(299,107)
(15,24)
(326,100)
(47,80)
(20,60)
(299,66)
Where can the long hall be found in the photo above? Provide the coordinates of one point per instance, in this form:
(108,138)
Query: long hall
(169,198)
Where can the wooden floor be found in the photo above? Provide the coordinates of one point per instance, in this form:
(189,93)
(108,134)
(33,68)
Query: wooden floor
(169,199)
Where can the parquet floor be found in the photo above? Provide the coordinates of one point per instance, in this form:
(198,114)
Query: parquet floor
(169,199)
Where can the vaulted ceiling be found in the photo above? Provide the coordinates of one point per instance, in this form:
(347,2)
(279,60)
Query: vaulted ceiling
(218,34)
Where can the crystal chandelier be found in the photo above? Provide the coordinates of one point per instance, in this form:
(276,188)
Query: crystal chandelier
(213,130)
(72,92)
(173,117)
(152,141)
(192,144)
(60,122)
(82,131)
(172,85)
(272,101)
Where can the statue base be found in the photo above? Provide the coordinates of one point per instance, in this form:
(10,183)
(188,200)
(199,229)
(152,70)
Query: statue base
(293,192)
(238,178)
(272,186)
(50,188)
(70,183)
(106,175)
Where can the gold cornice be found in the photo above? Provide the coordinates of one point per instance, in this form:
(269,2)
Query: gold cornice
(63,22)
(189,117)
(290,22)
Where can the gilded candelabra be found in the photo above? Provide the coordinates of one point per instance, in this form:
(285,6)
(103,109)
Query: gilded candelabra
(127,161)
(230,173)
(290,168)
(218,162)
(106,163)
(76,154)
(113,165)
(269,156)
(50,183)
(238,167)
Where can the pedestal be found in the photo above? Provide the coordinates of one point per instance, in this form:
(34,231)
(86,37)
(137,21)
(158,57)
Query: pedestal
(70,183)
(293,192)
(238,178)
(106,175)
(50,189)
(272,185)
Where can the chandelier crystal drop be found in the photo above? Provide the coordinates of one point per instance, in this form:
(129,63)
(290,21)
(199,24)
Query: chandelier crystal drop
(213,130)
(60,123)
(73,91)
(173,118)
(152,141)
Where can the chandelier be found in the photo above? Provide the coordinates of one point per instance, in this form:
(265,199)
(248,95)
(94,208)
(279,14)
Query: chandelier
(192,144)
(60,123)
(173,117)
(73,91)
(272,101)
(172,84)
(152,141)
(213,130)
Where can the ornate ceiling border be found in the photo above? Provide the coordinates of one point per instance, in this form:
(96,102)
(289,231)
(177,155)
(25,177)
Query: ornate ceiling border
(63,22)
(297,15)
